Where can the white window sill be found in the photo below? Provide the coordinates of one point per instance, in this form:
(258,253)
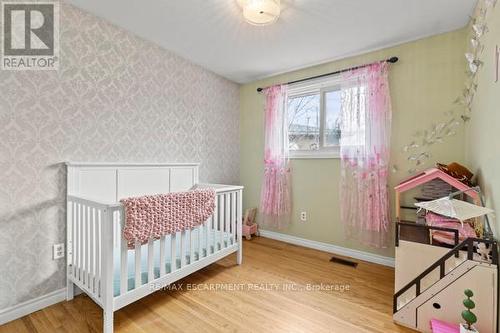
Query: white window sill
(314,155)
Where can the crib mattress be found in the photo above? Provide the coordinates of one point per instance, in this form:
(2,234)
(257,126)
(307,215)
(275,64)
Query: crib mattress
(168,257)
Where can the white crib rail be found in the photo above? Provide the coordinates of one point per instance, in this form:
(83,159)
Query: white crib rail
(86,243)
(185,248)
(95,233)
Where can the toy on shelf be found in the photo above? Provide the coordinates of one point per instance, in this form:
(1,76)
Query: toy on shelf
(446,210)
(469,317)
(484,252)
(249,226)
(439,326)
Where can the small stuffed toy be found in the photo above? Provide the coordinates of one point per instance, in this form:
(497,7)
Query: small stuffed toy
(249,226)
(483,251)
(457,171)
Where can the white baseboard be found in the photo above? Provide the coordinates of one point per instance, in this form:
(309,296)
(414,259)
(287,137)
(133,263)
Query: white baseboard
(343,251)
(25,308)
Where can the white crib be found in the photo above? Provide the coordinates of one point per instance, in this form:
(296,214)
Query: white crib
(98,260)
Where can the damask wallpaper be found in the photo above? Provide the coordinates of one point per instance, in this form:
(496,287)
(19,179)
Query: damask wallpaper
(115,98)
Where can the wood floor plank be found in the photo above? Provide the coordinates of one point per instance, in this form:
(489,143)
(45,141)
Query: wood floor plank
(270,292)
(19,325)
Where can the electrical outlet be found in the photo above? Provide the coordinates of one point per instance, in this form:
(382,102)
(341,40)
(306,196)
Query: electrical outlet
(58,251)
(303,216)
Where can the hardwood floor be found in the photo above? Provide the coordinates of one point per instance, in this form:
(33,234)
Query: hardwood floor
(260,306)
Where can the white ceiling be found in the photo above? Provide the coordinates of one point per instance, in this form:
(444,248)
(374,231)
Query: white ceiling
(213,34)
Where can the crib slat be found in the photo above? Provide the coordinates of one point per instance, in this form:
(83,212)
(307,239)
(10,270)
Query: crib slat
(138,275)
(92,250)
(208,225)
(208,230)
(87,245)
(98,252)
(182,249)
(116,230)
(86,236)
(69,236)
(80,241)
(123,259)
(191,246)
(220,215)
(77,241)
(200,242)
(220,222)
(84,245)
(239,253)
(227,218)
(173,259)
(223,221)
(74,238)
(162,256)
(215,225)
(233,217)
(151,253)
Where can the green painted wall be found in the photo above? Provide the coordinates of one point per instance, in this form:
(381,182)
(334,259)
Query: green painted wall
(483,131)
(424,84)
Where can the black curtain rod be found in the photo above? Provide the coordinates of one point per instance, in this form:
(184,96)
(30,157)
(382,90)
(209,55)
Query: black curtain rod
(390,60)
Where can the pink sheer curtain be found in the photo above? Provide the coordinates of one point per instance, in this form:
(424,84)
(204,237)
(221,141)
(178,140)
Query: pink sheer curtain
(275,199)
(364,149)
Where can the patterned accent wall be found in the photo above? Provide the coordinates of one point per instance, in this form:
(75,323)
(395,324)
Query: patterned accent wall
(115,98)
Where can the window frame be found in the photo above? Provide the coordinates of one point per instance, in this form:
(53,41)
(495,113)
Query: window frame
(321,88)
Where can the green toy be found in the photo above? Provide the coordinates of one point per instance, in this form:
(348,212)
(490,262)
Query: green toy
(469,317)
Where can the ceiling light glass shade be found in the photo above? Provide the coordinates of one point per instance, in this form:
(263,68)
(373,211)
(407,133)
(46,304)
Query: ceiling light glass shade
(260,12)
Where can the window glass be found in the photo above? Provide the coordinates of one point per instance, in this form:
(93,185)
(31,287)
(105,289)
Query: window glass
(331,132)
(304,122)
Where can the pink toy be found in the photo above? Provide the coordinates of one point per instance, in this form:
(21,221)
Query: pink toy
(464,229)
(438,326)
(249,226)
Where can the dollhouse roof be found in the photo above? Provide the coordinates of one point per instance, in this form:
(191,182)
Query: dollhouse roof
(431,174)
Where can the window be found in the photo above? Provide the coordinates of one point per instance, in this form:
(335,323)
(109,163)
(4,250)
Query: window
(314,120)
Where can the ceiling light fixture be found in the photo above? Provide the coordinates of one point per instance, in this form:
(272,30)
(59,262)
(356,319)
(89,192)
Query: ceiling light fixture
(260,12)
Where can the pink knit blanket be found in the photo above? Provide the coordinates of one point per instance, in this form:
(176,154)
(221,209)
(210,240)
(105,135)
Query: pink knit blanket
(153,216)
